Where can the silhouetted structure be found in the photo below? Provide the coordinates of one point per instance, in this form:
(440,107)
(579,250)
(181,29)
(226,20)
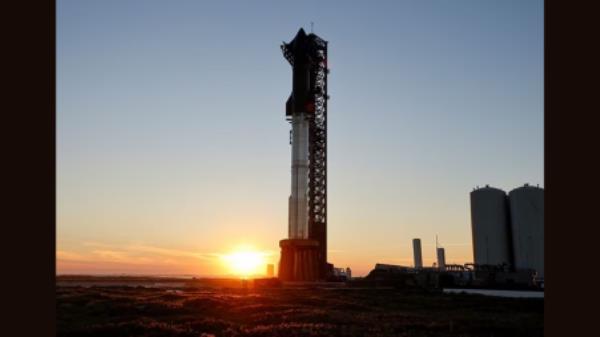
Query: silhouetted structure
(490,225)
(342,274)
(418,256)
(509,230)
(527,227)
(299,260)
(468,275)
(304,253)
(441,258)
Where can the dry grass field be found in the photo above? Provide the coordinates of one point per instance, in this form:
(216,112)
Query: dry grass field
(229,311)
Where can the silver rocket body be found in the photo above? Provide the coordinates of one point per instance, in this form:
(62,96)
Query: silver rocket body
(298,201)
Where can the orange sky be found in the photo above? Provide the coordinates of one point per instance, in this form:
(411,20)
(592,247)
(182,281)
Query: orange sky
(96,258)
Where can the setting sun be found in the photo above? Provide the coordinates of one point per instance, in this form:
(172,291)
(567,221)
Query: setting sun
(245,262)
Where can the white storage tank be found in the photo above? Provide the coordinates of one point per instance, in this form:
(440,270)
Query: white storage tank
(490,226)
(527,225)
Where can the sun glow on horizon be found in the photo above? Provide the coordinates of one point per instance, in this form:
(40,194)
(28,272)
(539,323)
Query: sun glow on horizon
(245,262)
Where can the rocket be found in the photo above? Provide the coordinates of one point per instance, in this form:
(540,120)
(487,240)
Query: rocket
(298,108)
(304,253)
(302,54)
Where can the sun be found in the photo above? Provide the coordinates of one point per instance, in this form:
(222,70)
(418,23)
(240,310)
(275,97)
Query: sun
(245,262)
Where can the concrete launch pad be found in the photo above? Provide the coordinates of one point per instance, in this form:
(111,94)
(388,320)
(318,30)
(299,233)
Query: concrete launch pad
(299,260)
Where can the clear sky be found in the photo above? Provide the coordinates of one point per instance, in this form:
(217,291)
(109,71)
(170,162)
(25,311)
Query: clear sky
(172,144)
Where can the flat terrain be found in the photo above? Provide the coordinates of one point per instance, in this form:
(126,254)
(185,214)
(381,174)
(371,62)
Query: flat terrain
(117,310)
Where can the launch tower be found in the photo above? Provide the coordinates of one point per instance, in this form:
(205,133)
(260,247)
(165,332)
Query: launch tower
(304,253)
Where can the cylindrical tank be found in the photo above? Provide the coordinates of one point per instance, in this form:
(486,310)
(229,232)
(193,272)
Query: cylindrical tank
(527,225)
(441,258)
(417,253)
(490,226)
(270,270)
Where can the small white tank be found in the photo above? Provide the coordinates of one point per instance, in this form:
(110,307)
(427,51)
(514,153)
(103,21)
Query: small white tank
(527,225)
(490,226)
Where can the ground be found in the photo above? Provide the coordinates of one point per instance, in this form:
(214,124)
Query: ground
(103,310)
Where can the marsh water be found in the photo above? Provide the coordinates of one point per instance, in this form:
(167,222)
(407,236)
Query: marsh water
(499,293)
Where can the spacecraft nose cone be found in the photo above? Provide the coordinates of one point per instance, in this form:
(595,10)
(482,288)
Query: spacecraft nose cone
(301,33)
(299,41)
